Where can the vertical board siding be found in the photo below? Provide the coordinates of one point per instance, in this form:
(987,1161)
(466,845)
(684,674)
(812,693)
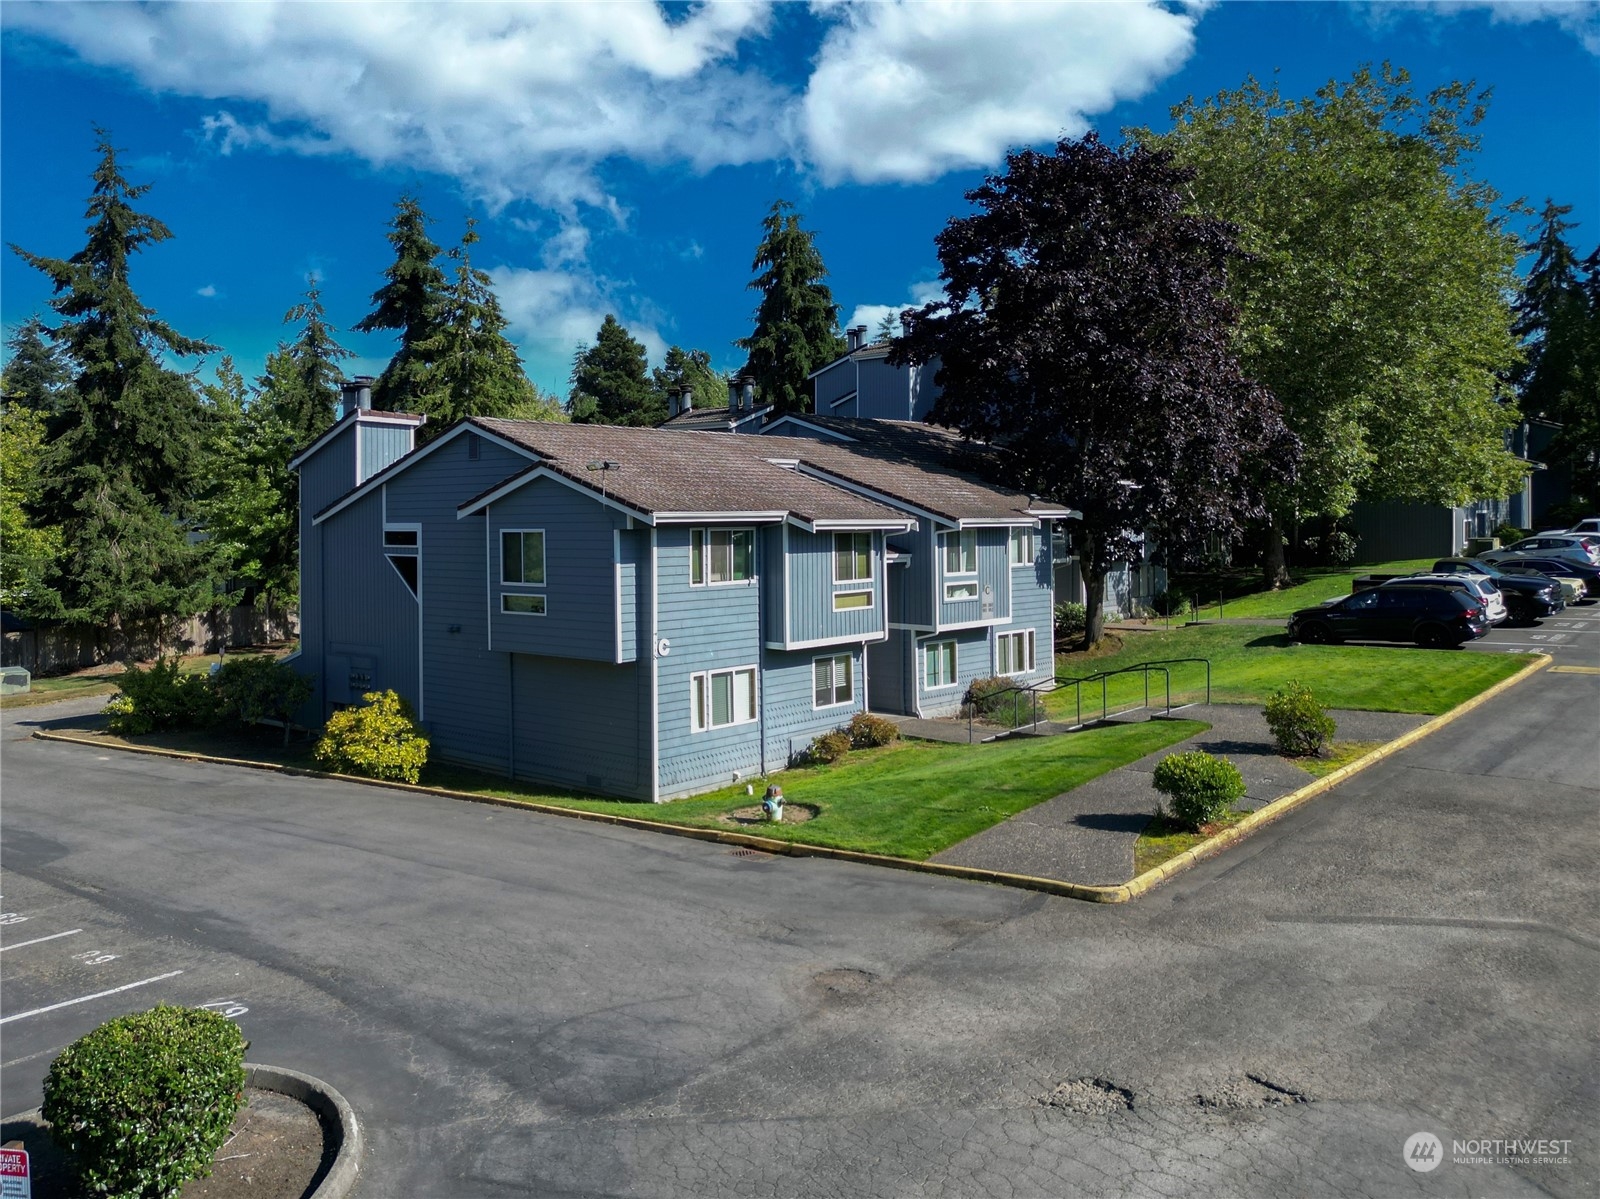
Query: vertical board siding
(709,628)
(467,702)
(370,616)
(633,552)
(1389,530)
(923,390)
(915,580)
(792,722)
(885,392)
(974,660)
(576,725)
(1033,607)
(811,591)
(993,568)
(886,674)
(838,380)
(579,590)
(381,446)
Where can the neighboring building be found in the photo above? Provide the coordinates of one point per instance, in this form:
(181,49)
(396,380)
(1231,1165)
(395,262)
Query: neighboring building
(740,416)
(650,613)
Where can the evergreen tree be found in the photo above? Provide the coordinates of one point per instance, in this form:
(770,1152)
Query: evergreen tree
(34,376)
(412,303)
(797,321)
(609,383)
(305,376)
(691,367)
(473,370)
(122,471)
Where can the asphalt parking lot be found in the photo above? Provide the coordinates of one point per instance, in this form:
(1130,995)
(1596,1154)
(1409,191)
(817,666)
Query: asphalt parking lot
(1571,636)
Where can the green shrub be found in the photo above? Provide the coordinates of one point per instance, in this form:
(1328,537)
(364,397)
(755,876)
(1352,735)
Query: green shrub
(867,731)
(993,696)
(1507,533)
(1201,787)
(1072,620)
(161,697)
(141,1104)
(1299,724)
(829,747)
(376,740)
(252,689)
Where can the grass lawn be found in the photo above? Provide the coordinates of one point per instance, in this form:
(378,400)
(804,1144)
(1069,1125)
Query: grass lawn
(911,799)
(1320,583)
(1164,839)
(1250,661)
(101,680)
(1340,753)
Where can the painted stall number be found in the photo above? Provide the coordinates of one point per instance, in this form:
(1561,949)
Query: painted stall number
(95,958)
(230,1008)
(11,918)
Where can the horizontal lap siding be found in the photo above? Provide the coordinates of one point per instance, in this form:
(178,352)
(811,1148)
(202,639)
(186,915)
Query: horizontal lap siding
(580,594)
(811,591)
(791,720)
(467,685)
(709,628)
(368,612)
(576,725)
(974,660)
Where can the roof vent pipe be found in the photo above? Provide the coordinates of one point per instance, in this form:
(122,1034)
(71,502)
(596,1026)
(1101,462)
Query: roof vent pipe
(852,342)
(733,394)
(686,398)
(355,395)
(747,395)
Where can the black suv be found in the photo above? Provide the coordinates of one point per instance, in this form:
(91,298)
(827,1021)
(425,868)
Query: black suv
(1433,617)
(1528,597)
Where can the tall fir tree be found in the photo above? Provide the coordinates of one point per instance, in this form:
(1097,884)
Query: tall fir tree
(35,376)
(692,369)
(305,390)
(412,303)
(473,369)
(609,382)
(122,470)
(797,321)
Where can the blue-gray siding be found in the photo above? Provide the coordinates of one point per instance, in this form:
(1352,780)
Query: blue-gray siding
(369,634)
(381,446)
(992,603)
(974,660)
(791,718)
(577,724)
(811,590)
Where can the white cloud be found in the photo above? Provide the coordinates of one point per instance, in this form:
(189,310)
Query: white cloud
(907,91)
(209,291)
(871,314)
(1581,18)
(551,312)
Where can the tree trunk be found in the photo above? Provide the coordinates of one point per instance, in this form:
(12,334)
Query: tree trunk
(1274,569)
(1094,599)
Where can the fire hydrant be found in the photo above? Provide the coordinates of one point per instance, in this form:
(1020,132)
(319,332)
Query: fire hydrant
(772,805)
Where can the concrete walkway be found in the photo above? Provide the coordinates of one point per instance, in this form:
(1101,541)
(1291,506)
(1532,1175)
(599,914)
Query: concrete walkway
(1087,835)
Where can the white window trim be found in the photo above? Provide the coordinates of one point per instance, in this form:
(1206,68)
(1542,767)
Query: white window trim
(961,536)
(955,665)
(866,578)
(544,559)
(1031,664)
(700,722)
(976,595)
(866,607)
(704,535)
(539,595)
(838,703)
(1011,544)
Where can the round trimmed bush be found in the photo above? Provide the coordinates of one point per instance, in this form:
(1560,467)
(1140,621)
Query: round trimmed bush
(1300,725)
(141,1104)
(867,731)
(1200,786)
(829,747)
(378,740)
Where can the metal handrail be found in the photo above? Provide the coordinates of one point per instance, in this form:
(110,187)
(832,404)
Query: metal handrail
(1160,664)
(1016,692)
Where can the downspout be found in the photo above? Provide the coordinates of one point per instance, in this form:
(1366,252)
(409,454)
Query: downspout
(511,716)
(761,660)
(655,681)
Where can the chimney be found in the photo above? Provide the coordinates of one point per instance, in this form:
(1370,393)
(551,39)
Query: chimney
(733,394)
(747,394)
(686,399)
(857,337)
(355,395)
(672,402)
(852,341)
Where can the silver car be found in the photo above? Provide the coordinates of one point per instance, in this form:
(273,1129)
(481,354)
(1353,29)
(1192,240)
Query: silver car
(1574,547)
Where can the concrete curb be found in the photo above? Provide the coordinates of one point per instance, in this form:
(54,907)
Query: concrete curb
(1026,882)
(337,1116)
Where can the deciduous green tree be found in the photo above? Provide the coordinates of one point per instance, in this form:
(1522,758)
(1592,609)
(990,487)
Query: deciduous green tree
(28,551)
(609,383)
(797,321)
(413,303)
(1374,300)
(692,368)
(1085,336)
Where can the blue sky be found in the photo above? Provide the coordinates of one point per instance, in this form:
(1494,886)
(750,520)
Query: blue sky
(620,157)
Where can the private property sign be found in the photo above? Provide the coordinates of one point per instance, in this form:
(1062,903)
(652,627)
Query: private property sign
(15,1181)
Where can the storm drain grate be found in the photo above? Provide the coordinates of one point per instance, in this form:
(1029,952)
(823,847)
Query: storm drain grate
(754,855)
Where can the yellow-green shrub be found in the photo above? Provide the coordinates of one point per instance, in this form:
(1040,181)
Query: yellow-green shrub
(378,739)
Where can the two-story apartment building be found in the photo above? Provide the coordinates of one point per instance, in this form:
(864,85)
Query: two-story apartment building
(649,614)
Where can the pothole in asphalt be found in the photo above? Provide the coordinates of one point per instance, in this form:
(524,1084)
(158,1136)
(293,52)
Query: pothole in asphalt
(1089,1097)
(844,983)
(1251,1091)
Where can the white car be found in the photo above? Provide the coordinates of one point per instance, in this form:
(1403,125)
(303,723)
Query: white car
(1572,546)
(1481,586)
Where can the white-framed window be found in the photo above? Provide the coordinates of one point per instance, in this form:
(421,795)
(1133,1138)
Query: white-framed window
(401,536)
(522,556)
(833,681)
(1023,547)
(960,591)
(718,556)
(852,557)
(521,605)
(1013,652)
(845,601)
(960,552)
(939,664)
(719,698)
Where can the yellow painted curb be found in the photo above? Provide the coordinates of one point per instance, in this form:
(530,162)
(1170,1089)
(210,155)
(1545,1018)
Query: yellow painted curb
(1027,882)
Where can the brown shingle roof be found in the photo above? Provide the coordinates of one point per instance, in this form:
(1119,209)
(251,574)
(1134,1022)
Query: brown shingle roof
(716,419)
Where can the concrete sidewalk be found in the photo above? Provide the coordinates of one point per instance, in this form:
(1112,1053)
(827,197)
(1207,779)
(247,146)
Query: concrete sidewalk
(1087,835)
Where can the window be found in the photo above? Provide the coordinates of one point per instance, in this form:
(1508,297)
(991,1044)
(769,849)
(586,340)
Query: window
(844,601)
(852,557)
(939,669)
(1014,653)
(719,698)
(522,605)
(1023,549)
(960,591)
(833,680)
(522,556)
(721,556)
(399,537)
(960,552)
(405,565)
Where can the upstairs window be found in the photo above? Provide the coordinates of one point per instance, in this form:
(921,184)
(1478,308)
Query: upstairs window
(852,557)
(1023,548)
(522,557)
(721,556)
(960,552)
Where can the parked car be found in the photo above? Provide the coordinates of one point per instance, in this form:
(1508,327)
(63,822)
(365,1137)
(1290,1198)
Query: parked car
(1589,524)
(1431,616)
(1528,597)
(1570,546)
(1480,587)
(1565,567)
(1572,588)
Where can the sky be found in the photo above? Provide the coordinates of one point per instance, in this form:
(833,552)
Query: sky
(620,157)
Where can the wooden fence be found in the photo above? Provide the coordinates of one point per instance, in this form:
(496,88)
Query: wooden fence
(59,649)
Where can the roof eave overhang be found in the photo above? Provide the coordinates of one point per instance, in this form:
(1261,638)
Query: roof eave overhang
(854,525)
(544,471)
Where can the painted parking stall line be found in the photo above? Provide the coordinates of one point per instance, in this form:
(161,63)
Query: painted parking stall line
(71,932)
(39,1011)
